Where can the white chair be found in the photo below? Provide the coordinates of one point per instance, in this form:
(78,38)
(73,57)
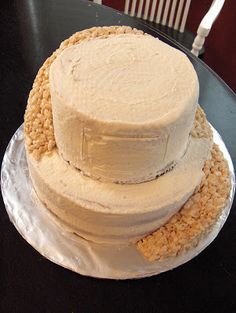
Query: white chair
(173,14)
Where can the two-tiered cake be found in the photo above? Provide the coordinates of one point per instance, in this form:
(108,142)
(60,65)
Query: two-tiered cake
(115,140)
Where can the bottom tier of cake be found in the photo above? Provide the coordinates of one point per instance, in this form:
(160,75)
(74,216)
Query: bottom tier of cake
(108,212)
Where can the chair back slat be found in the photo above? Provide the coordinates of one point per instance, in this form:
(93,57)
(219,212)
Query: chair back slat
(153,10)
(140,9)
(133,7)
(172,13)
(185,15)
(178,15)
(159,11)
(126,10)
(166,10)
(146,10)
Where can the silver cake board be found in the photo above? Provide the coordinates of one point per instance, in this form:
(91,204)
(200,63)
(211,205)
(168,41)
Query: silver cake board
(43,232)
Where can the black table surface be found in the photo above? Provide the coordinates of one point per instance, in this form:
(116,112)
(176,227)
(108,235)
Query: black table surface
(30,30)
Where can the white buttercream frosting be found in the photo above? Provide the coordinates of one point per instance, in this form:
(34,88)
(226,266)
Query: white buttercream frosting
(123,106)
(108,212)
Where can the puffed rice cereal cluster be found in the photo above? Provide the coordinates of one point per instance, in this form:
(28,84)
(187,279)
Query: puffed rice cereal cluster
(196,217)
(201,127)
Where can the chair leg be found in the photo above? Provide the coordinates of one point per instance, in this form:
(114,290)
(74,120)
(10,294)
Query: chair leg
(197,44)
(206,24)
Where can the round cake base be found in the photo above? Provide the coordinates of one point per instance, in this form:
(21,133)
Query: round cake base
(41,230)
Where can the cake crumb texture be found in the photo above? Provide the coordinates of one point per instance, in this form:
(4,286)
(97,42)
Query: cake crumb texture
(38,125)
(195,219)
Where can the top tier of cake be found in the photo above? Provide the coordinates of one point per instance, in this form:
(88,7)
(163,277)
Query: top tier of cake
(123,106)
